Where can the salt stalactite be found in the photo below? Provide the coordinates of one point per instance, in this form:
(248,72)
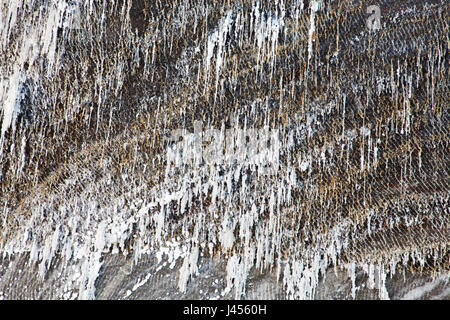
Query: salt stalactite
(217,41)
(314,7)
(11,87)
(188,269)
(267,31)
(11,108)
(237,271)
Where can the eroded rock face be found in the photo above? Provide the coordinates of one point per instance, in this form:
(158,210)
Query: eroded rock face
(121,279)
(224,149)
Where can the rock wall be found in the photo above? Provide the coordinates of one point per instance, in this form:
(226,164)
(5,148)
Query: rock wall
(224,149)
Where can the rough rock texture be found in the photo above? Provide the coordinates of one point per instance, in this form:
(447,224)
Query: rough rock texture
(121,279)
(224,149)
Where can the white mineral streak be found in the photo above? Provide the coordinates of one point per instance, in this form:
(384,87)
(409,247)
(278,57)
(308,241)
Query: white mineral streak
(314,7)
(188,269)
(10,94)
(217,40)
(37,47)
(267,31)
(82,224)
